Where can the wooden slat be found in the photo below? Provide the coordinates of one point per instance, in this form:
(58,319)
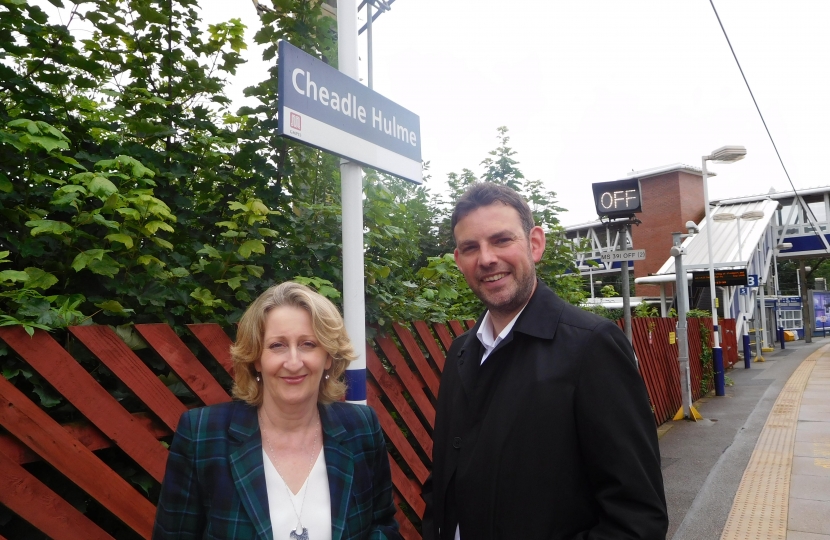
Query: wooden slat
(38,431)
(114,353)
(406,528)
(413,385)
(394,433)
(88,435)
(456,328)
(184,363)
(393,390)
(216,341)
(417,356)
(410,490)
(33,501)
(73,382)
(429,342)
(443,334)
(470,323)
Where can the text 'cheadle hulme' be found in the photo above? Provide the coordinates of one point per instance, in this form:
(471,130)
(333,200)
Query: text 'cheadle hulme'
(347,105)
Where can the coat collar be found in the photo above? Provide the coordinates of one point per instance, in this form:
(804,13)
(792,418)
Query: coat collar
(339,467)
(540,318)
(249,474)
(247,467)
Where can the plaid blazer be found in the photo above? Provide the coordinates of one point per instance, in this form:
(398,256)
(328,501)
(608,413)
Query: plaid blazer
(214,485)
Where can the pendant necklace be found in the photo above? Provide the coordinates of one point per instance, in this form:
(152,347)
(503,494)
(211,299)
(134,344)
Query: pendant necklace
(303,534)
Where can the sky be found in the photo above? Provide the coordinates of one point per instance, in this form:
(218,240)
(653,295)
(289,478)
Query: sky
(592,90)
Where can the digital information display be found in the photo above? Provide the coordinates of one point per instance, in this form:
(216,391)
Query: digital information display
(723,278)
(619,198)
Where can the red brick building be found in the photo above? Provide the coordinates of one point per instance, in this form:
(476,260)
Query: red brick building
(671,196)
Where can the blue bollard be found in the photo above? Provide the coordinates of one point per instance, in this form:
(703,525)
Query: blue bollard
(781,336)
(747,352)
(717,364)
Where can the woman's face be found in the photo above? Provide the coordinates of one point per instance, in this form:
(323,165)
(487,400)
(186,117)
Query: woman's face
(292,361)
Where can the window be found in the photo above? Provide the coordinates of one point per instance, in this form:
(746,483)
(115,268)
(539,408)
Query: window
(790,319)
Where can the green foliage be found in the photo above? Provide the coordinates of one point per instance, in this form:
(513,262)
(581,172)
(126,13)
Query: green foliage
(608,291)
(644,310)
(698,313)
(130,193)
(707,379)
(602,311)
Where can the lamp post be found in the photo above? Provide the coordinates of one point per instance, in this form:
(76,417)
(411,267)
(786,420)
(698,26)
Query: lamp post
(724,154)
(687,410)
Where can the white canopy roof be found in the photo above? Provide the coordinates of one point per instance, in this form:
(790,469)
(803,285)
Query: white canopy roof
(728,249)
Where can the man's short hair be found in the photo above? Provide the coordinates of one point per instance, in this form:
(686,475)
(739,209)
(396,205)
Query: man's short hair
(487,193)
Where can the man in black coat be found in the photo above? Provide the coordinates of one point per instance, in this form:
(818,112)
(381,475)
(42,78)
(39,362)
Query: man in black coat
(543,428)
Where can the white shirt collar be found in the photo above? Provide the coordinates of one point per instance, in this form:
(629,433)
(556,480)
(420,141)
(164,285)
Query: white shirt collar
(485,333)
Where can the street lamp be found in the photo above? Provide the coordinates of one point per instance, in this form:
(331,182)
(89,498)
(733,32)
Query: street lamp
(687,410)
(724,154)
(752,215)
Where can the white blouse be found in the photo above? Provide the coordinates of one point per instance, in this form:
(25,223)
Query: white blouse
(315,511)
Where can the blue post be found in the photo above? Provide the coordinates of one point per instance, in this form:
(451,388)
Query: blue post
(781,336)
(717,364)
(747,351)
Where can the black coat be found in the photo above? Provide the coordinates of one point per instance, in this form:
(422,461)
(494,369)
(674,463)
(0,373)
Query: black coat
(552,437)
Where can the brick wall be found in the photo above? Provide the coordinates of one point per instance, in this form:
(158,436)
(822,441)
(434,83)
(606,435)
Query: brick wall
(669,201)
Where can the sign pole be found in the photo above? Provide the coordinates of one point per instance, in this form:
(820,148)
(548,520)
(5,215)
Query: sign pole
(351,187)
(625,285)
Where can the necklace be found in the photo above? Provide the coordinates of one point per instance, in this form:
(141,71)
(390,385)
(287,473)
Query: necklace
(294,535)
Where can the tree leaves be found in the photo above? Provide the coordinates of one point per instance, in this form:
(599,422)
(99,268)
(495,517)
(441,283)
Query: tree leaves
(42,226)
(83,259)
(251,246)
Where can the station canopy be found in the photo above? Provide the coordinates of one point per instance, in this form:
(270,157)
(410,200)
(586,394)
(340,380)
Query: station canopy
(729,250)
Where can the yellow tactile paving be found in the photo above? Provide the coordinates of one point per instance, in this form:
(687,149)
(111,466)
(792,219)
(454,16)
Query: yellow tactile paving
(759,511)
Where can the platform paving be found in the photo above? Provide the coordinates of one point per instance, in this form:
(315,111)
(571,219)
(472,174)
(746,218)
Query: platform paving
(758,464)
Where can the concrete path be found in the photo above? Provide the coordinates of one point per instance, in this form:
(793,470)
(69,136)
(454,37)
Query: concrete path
(758,465)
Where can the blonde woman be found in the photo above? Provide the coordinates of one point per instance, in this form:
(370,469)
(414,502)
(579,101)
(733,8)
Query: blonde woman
(286,459)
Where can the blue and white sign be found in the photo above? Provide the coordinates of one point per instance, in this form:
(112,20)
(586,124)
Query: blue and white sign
(743,291)
(752,280)
(321,107)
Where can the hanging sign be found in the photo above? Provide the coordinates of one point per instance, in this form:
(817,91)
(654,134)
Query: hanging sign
(321,107)
(620,198)
(723,278)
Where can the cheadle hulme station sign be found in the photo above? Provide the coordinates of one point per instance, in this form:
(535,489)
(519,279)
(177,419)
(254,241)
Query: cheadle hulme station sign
(321,107)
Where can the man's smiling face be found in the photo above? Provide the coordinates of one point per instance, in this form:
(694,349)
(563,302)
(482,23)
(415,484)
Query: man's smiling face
(497,258)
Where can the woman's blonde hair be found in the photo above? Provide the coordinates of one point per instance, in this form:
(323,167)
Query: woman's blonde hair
(328,328)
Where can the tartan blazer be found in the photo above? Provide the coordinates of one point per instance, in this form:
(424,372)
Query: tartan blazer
(214,484)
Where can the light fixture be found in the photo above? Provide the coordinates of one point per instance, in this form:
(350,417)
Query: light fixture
(724,154)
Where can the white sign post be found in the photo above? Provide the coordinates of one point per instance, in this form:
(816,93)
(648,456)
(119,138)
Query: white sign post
(351,187)
(331,110)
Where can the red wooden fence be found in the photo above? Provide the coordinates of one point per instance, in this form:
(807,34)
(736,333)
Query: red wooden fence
(403,368)
(657,358)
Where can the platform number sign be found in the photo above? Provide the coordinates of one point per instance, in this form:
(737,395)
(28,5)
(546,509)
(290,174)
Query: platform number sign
(743,291)
(752,280)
